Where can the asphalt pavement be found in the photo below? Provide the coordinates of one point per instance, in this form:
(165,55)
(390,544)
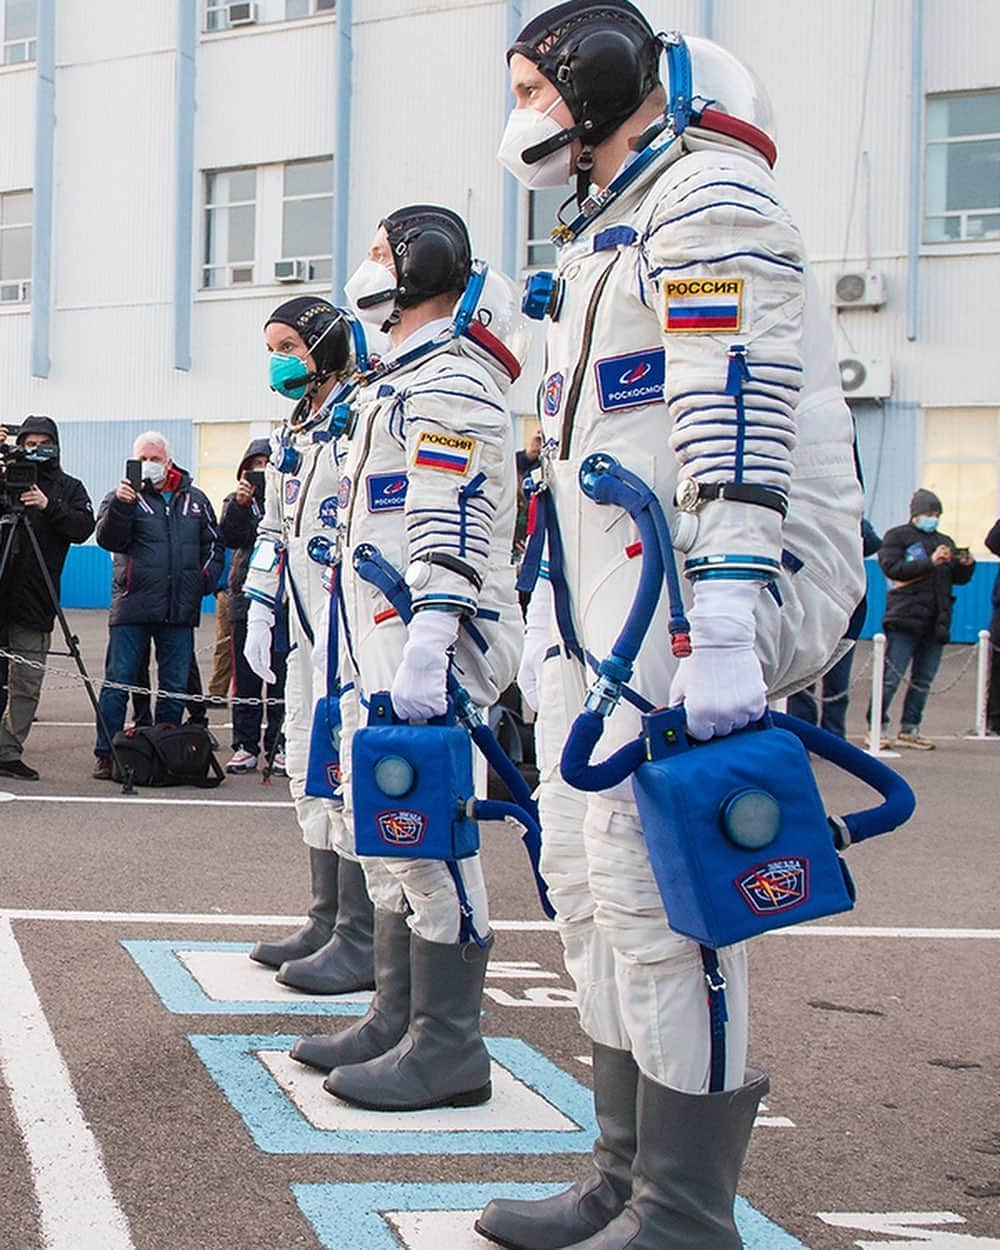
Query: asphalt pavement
(147,1104)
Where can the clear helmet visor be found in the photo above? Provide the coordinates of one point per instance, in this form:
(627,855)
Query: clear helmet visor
(489,313)
(721,82)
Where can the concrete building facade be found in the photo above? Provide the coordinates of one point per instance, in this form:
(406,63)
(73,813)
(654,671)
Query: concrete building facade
(165,181)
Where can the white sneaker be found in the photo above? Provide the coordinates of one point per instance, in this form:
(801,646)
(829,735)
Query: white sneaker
(242,762)
(278,767)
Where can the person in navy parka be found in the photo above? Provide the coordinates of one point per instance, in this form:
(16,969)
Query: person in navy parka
(167,556)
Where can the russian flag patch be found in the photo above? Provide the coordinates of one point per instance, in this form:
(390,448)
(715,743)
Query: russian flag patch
(452,453)
(703,306)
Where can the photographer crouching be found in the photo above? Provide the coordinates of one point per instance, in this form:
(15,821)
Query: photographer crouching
(34,491)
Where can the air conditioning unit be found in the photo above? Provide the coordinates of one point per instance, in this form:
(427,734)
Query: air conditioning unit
(865,288)
(243,13)
(15,292)
(290,271)
(869,378)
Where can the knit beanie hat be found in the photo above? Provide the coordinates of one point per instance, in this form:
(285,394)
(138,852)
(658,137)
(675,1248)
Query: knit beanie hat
(923,502)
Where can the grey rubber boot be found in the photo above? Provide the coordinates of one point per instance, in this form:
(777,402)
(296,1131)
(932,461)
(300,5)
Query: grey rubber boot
(687,1164)
(386,1019)
(344,964)
(441,1060)
(324,871)
(586,1207)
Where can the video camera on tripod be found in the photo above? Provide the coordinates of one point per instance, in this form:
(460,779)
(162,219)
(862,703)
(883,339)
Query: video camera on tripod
(19,469)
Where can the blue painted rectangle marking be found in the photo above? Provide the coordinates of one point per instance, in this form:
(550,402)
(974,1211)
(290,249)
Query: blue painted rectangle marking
(181,994)
(353,1214)
(278,1127)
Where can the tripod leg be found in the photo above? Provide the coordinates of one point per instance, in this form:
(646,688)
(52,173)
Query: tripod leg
(73,644)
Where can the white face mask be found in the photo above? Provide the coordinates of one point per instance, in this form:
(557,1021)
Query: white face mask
(525,128)
(153,471)
(371,278)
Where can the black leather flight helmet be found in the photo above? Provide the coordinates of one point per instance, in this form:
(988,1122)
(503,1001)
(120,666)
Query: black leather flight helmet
(432,253)
(324,330)
(602,58)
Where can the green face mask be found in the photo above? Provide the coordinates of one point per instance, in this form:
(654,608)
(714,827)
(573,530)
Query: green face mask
(288,375)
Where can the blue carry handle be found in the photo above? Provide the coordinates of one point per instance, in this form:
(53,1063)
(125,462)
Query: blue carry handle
(605,481)
(900,801)
(373,568)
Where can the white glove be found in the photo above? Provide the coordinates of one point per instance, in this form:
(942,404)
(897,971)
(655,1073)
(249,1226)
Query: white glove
(720,683)
(537,631)
(257,647)
(419,687)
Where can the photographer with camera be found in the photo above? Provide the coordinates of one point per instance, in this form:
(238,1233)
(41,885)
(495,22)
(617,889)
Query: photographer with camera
(167,555)
(59,512)
(240,517)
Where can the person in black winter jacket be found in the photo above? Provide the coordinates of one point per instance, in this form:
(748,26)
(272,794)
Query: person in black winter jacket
(922,564)
(167,555)
(59,511)
(830,711)
(993,697)
(241,513)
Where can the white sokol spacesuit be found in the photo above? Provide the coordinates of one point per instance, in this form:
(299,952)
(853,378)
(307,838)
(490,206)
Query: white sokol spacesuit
(299,505)
(428,481)
(332,954)
(686,340)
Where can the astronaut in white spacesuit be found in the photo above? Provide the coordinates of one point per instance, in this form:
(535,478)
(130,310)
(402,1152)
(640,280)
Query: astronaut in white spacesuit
(429,480)
(684,338)
(311,349)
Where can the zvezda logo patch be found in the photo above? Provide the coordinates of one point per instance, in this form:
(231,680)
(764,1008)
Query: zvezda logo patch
(401,827)
(333,775)
(292,488)
(775,885)
(553,394)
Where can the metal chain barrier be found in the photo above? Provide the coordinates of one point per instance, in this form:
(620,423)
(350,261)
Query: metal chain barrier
(938,689)
(857,677)
(212,700)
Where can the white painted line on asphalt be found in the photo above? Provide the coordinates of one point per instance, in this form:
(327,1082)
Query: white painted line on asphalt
(919,1226)
(510,926)
(89,724)
(211,918)
(77,1210)
(7,797)
(883,931)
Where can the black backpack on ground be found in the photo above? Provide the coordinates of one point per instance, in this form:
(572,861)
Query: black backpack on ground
(168,755)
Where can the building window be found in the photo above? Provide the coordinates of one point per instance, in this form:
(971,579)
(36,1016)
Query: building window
(19,26)
(542,209)
(272,224)
(307,8)
(229,14)
(15,247)
(307,217)
(962,466)
(230,227)
(963,167)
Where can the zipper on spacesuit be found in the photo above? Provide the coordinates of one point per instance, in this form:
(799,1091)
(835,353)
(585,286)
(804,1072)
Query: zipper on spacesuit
(305,491)
(576,386)
(357,475)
